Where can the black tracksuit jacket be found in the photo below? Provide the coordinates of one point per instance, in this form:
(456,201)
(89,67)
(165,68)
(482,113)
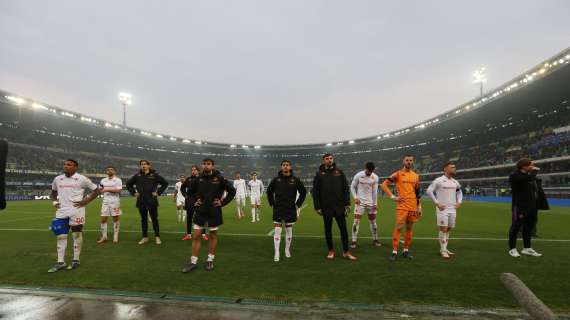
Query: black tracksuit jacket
(281,195)
(145,185)
(331,192)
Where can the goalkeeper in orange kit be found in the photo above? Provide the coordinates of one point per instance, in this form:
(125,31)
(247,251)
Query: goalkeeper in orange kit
(408,207)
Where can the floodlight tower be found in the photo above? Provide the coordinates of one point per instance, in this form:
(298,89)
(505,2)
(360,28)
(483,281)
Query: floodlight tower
(126,100)
(479,77)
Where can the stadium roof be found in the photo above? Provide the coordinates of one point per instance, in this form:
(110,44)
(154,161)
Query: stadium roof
(544,69)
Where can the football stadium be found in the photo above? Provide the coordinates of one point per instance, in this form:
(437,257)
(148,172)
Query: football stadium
(104,220)
(529,116)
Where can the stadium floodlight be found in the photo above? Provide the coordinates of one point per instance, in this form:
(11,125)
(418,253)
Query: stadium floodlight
(126,99)
(257,147)
(198,142)
(16,100)
(479,77)
(186,141)
(232,146)
(351,142)
(329,144)
(245,147)
(36,105)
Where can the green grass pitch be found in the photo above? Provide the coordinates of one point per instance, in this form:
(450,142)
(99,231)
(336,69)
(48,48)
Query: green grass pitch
(245,266)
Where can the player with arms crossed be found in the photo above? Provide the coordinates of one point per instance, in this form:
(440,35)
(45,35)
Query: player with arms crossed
(364,189)
(240,186)
(446,193)
(285,194)
(255,192)
(408,207)
(111,187)
(179,199)
(67,194)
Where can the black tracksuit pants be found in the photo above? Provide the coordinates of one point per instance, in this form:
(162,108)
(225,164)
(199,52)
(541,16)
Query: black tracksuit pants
(145,210)
(341,222)
(525,220)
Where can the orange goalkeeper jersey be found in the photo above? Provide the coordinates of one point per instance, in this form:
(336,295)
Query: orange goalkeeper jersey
(407,188)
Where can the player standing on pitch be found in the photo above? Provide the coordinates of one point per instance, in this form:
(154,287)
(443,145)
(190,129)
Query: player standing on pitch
(408,206)
(524,207)
(446,193)
(255,192)
(179,199)
(207,194)
(144,186)
(111,187)
(331,198)
(185,189)
(364,189)
(282,197)
(240,186)
(67,194)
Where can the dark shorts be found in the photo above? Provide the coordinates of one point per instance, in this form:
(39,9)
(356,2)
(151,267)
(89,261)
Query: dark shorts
(210,219)
(287,216)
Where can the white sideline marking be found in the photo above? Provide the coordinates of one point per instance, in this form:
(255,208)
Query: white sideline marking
(299,235)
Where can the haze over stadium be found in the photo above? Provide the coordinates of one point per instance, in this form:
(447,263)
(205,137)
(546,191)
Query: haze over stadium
(246,64)
(433,135)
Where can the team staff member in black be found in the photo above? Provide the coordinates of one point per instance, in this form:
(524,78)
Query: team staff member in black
(282,197)
(331,198)
(189,206)
(524,206)
(207,194)
(144,185)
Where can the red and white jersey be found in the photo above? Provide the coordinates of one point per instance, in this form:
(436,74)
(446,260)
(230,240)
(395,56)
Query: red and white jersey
(446,191)
(256,188)
(239,185)
(71,189)
(111,198)
(365,188)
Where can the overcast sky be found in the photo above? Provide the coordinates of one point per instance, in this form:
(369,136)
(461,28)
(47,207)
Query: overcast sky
(270,72)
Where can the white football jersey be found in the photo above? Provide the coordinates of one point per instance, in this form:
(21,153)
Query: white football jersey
(239,185)
(446,191)
(111,198)
(365,188)
(71,189)
(256,188)
(178,188)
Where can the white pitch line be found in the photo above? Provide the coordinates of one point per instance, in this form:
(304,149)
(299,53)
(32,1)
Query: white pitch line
(300,235)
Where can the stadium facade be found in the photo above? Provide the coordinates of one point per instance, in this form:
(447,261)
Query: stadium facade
(527,116)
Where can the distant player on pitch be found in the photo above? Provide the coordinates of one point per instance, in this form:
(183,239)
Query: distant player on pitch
(255,192)
(179,199)
(67,194)
(111,187)
(240,186)
(364,189)
(285,194)
(446,193)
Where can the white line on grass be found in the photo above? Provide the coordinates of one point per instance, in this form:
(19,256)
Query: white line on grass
(299,235)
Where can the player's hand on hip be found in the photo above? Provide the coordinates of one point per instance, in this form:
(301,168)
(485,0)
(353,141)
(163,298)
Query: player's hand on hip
(154,194)
(357,201)
(56,204)
(396,199)
(457,205)
(419,212)
(440,206)
(217,203)
(137,195)
(319,212)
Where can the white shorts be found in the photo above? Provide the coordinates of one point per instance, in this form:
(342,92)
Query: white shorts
(197,227)
(446,218)
(363,208)
(110,210)
(240,201)
(180,202)
(76,215)
(255,200)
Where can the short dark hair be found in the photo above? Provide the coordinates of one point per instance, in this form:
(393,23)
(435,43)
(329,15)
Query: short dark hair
(370,166)
(523,163)
(182,175)
(237,172)
(195,167)
(409,155)
(208,160)
(110,167)
(448,163)
(73,161)
(326,155)
(145,161)
(285,161)
(253,173)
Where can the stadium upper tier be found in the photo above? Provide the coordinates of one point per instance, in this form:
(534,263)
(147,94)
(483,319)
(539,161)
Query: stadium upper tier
(529,115)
